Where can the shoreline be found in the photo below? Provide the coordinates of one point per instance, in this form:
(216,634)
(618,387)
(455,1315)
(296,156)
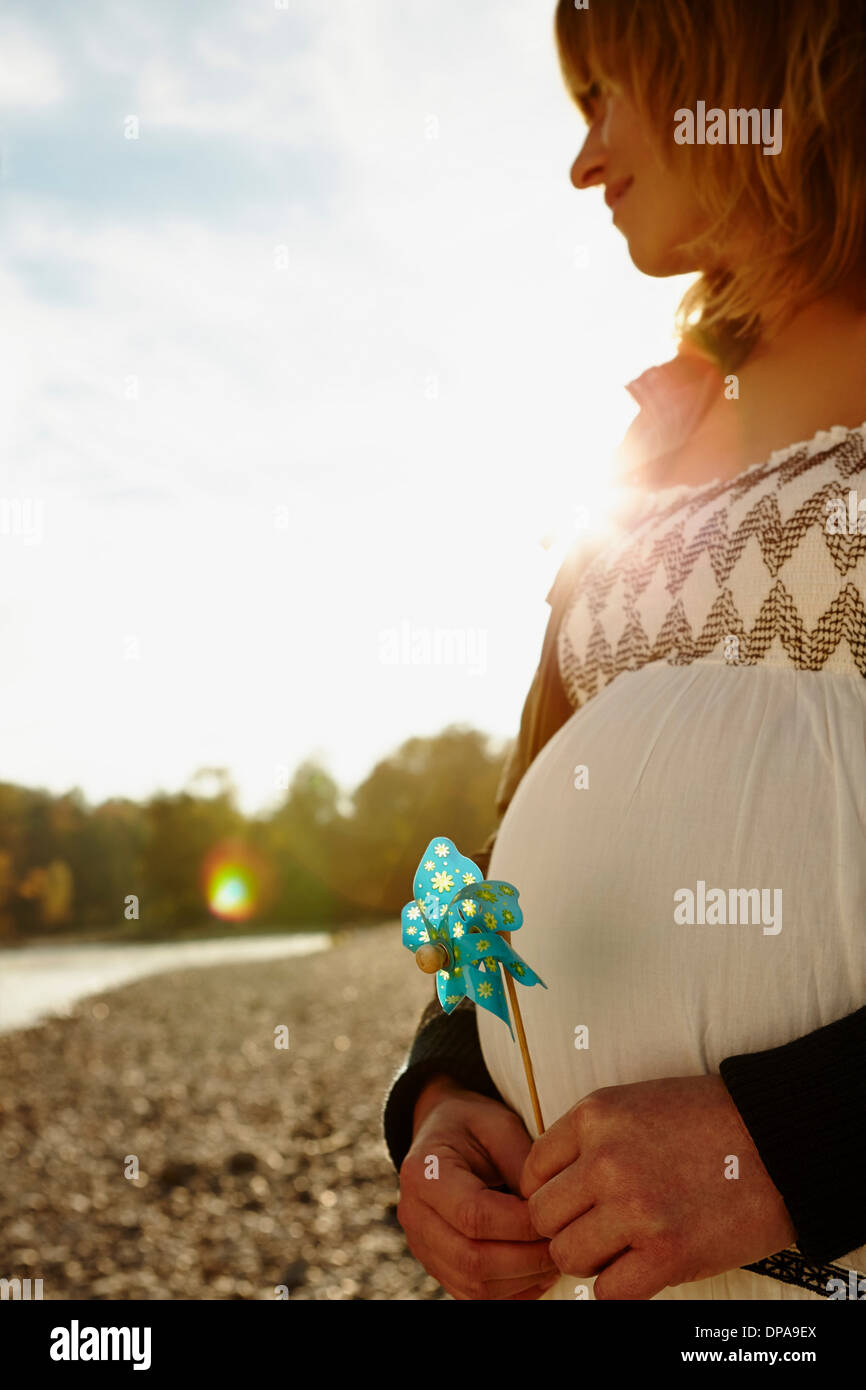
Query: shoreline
(208,931)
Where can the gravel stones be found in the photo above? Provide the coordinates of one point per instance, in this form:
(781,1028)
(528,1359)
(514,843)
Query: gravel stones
(167,1148)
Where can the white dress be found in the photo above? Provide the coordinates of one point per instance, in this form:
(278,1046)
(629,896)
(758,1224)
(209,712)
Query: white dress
(715,654)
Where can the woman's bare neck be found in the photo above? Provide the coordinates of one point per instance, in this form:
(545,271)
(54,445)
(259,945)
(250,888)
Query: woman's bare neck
(812,376)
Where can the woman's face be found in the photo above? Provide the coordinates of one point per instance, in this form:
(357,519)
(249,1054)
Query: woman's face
(652,205)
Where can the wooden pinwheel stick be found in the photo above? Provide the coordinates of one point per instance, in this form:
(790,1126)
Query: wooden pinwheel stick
(433,956)
(524,1050)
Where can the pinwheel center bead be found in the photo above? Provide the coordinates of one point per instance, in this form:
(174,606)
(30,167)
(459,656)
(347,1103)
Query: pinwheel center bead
(432,957)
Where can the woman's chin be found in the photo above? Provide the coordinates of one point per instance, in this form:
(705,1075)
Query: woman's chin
(659,261)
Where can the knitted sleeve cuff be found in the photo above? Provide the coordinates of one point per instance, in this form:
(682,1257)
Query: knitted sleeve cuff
(447,1044)
(804,1104)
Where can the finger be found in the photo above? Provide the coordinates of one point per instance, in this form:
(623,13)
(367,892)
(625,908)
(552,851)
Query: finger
(462,1287)
(564,1199)
(506,1140)
(534,1292)
(589,1244)
(520,1286)
(484,1259)
(470,1264)
(551,1152)
(474,1209)
(500,1292)
(635,1275)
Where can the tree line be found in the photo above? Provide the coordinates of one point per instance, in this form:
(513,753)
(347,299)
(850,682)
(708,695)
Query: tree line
(132,870)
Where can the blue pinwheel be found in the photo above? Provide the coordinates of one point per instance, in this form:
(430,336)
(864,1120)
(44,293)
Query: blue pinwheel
(456,909)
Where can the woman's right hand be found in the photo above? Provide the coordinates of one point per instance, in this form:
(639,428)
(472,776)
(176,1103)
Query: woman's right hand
(478,1243)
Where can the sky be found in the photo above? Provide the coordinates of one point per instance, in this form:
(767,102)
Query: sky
(310,347)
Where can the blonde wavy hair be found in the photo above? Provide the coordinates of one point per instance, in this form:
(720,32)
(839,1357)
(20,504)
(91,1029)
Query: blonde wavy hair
(807,57)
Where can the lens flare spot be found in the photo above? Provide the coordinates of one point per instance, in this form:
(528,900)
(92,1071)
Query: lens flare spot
(232,887)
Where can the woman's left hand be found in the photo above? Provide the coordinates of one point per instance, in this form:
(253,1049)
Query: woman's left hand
(653,1184)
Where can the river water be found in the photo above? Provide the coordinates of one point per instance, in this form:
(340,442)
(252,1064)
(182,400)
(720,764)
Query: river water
(38,981)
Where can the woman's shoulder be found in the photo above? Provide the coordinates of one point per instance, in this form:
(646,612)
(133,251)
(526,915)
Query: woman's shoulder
(838,453)
(819,471)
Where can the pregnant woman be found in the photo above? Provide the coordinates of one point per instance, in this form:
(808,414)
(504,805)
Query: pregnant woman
(684,813)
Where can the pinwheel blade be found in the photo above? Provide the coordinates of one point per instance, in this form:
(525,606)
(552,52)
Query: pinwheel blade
(489,945)
(486,990)
(451,989)
(414,926)
(491,905)
(443,870)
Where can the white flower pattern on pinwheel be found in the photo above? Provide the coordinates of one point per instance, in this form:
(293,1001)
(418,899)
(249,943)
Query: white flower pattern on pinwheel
(469,907)
(442,882)
(442,851)
(429,864)
(414,912)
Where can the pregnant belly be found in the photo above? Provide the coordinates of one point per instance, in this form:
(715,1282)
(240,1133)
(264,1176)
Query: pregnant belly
(699,784)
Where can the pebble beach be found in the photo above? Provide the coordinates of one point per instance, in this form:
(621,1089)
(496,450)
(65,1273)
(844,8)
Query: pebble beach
(157,1144)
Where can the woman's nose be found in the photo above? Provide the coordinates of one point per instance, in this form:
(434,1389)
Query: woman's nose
(588,168)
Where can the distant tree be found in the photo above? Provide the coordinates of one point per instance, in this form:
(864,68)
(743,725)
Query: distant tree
(7,888)
(102,846)
(444,785)
(304,839)
(180,831)
(50,889)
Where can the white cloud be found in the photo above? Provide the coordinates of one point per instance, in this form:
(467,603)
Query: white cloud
(30,72)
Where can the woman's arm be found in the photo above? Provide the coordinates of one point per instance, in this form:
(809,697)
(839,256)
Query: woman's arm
(804,1105)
